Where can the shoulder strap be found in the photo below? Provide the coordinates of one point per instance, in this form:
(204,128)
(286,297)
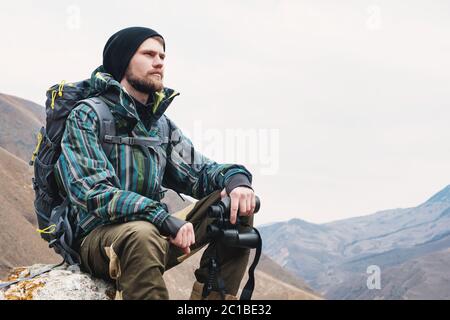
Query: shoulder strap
(107,129)
(106,121)
(165,129)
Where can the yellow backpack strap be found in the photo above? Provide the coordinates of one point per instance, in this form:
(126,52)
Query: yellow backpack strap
(40,137)
(58,92)
(50,229)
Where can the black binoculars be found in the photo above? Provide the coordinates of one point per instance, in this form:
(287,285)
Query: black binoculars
(234,235)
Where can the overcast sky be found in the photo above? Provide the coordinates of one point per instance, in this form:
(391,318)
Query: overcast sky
(339,108)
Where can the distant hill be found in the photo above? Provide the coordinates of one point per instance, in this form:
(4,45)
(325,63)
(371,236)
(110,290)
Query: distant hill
(20,121)
(331,256)
(423,277)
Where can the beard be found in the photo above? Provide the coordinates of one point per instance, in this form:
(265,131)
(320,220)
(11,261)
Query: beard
(146,84)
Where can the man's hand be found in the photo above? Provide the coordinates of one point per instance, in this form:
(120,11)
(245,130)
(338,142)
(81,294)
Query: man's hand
(185,237)
(242,199)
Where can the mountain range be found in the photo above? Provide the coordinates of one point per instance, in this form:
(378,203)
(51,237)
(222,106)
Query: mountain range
(409,246)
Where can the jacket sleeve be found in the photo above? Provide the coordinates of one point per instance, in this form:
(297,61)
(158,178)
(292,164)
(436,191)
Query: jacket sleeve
(90,179)
(190,172)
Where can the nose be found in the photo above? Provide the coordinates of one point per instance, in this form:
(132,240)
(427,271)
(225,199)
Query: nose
(158,62)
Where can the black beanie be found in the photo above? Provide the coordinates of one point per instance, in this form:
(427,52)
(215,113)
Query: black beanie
(121,47)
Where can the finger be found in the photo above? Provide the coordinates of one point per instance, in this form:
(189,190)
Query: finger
(191,239)
(192,234)
(184,241)
(188,236)
(187,250)
(243,205)
(253,202)
(234,208)
(179,238)
(249,205)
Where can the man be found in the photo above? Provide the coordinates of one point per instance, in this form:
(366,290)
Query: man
(125,233)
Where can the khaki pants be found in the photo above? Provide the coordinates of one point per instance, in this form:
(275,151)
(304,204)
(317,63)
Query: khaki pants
(135,255)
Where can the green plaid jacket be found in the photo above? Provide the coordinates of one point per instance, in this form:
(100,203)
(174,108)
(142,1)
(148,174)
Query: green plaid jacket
(127,185)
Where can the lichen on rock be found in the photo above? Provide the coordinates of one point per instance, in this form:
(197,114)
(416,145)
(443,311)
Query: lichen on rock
(62,283)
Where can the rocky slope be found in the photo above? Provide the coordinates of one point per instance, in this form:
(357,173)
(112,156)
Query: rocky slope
(20,244)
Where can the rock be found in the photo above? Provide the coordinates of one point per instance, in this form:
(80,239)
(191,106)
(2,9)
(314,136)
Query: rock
(62,283)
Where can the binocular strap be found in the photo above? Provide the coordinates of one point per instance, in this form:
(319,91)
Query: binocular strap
(216,283)
(247,291)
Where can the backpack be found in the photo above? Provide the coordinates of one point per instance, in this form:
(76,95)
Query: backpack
(57,223)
